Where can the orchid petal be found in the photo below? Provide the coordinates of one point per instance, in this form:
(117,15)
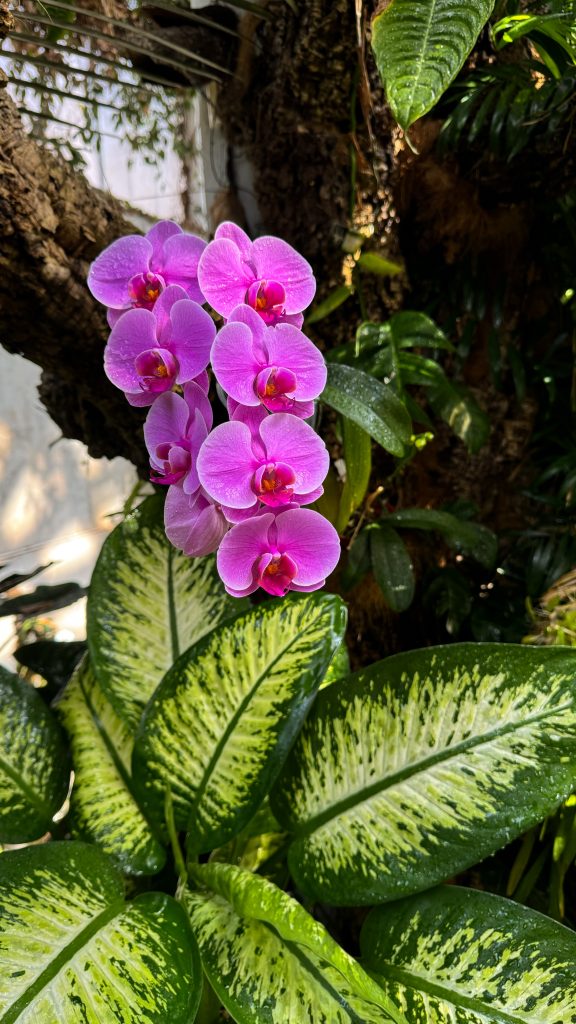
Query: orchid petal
(231,231)
(193,331)
(193,524)
(311,541)
(180,263)
(197,399)
(275,260)
(223,277)
(289,439)
(162,310)
(135,332)
(226,465)
(166,422)
(234,362)
(240,550)
(290,348)
(112,270)
(159,234)
(244,314)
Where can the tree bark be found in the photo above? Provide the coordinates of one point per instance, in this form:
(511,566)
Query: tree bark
(53,224)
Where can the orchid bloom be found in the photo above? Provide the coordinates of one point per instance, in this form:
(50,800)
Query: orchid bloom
(134,270)
(278,367)
(174,430)
(193,523)
(276,462)
(268,275)
(296,549)
(149,351)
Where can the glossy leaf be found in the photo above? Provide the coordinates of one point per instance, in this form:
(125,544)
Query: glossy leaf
(358,456)
(471,538)
(373,263)
(457,956)
(104,809)
(269,961)
(219,727)
(34,766)
(421,765)
(392,567)
(332,302)
(420,46)
(460,410)
(147,604)
(371,405)
(72,951)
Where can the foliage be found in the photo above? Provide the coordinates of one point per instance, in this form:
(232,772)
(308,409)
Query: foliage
(364,803)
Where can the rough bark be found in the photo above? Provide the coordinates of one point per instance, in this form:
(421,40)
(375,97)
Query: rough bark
(53,224)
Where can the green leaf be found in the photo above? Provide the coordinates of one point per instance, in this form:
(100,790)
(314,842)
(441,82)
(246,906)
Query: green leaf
(373,263)
(332,302)
(104,809)
(42,600)
(147,604)
(270,962)
(420,46)
(224,717)
(456,955)
(34,767)
(358,456)
(472,539)
(370,404)
(456,406)
(418,767)
(72,950)
(392,567)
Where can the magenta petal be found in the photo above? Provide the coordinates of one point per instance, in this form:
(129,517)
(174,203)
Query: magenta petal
(196,399)
(275,260)
(203,381)
(239,515)
(222,276)
(180,263)
(244,314)
(288,439)
(142,399)
(162,309)
(112,270)
(193,524)
(159,234)
(226,465)
(193,331)
(165,423)
(311,541)
(135,332)
(231,231)
(113,316)
(234,362)
(290,348)
(240,551)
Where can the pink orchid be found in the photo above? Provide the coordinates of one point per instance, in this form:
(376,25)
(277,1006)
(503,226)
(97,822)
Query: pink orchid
(277,367)
(174,430)
(134,270)
(268,275)
(149,351)
(193,523)
(276,462)
(296,549)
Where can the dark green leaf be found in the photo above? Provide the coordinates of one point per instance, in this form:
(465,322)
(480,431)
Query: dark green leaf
(471,538)
(392,567)
(371,405)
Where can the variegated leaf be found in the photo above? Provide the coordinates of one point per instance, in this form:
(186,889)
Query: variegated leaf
(270,962)
(224,717)
(420,46)
(34,765)
(456,956)
(72,951)
(419,766)
(147,604)
(104,809)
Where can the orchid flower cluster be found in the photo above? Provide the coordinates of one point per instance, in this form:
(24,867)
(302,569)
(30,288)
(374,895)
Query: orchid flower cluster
(239,488)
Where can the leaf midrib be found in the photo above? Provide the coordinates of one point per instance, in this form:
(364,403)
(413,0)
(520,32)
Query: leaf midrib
(209,770)
(64,956)
(419,62)
(413,980)
(417,767)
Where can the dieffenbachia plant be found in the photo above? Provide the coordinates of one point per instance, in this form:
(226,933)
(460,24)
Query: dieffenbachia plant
(229,774)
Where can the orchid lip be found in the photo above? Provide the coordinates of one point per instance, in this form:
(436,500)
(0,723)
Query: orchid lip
(157,369)
(275,573)
(267,298)
(274,383)
(274,483)
(144,289)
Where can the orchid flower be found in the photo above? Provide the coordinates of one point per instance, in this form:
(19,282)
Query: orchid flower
(268,275)
(276,462)
(151,350)
(277,366)
(134,270)
(174,430)
(193,523)
(295,549)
